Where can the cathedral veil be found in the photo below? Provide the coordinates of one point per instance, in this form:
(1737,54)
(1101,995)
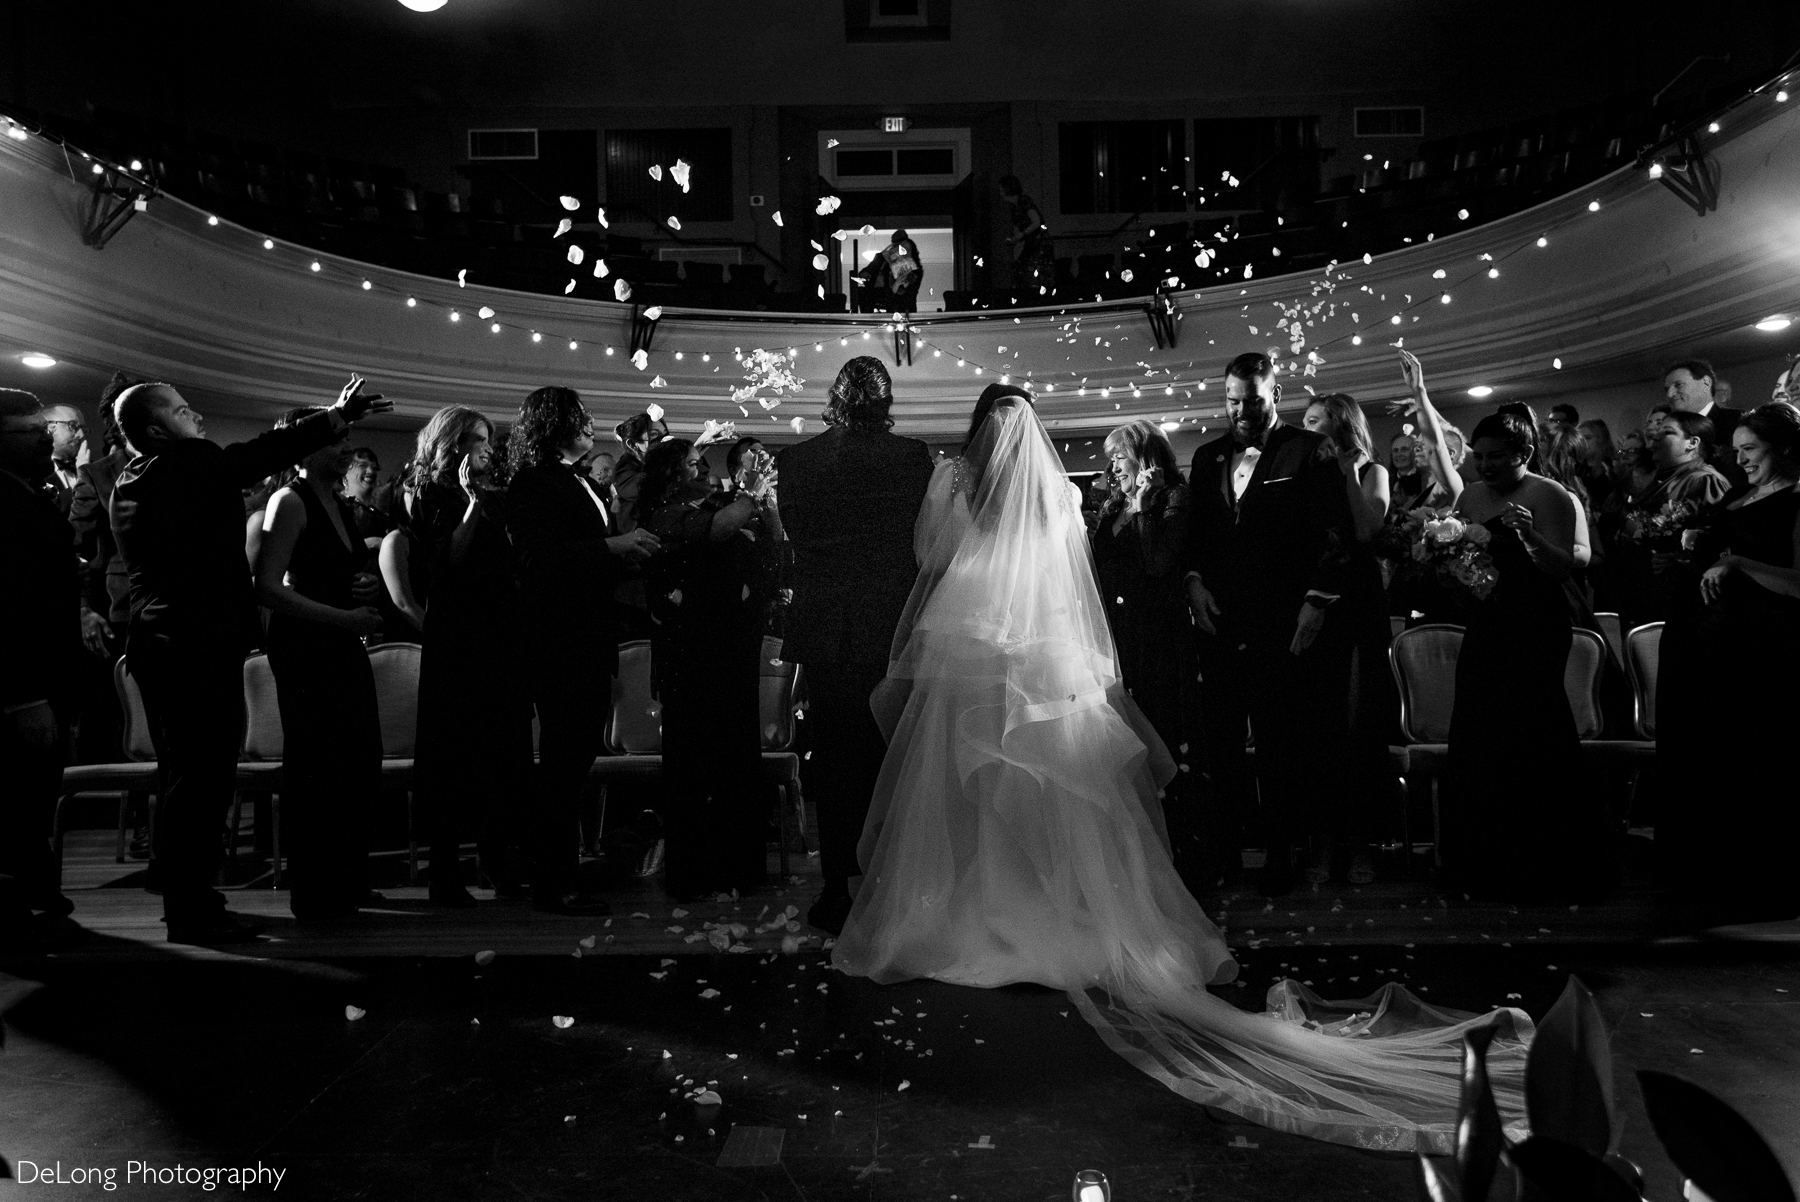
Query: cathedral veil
(1016,834)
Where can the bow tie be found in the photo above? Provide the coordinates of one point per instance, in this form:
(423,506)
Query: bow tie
(1241,443)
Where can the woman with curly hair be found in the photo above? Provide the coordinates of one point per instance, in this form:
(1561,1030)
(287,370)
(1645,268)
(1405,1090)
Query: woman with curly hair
(708,591)
(568,567)
(473,754)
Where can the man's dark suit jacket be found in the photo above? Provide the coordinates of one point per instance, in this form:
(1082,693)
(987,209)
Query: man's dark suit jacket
(1289,534)
(106,585)
(40,603)
(1725,423)
(178,516)
(849,500)
(566,574)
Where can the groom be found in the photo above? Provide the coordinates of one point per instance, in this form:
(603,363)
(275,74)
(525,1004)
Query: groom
(1266,563)
(849,499)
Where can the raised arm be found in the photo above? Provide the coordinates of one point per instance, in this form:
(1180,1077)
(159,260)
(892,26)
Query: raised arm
(1431,426)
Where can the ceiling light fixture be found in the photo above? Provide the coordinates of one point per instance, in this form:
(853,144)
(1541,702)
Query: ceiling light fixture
(424,6)
(1481,390)
(1775,324)
(36,360)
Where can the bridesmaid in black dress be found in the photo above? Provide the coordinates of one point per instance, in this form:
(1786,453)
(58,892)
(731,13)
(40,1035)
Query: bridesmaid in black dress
(1728,709)
(1137,557)
(709,588)
(322,607)
(473,755)
(1516,820)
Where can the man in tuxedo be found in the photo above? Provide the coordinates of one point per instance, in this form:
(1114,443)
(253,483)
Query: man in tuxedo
(568,567)
(1266,559)
(68,433)
(850,498)
(1689,387)
(38,675)
(178,514)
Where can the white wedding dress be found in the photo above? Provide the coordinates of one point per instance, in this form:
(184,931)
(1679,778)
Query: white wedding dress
(1016,834)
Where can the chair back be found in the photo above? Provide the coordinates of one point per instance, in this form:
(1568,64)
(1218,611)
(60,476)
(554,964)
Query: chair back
(396,669)
(262,712)
(1581,680)
(1615,636)
(1424,660)
(635,726)
(777,684)
(134,741)
(1643,647)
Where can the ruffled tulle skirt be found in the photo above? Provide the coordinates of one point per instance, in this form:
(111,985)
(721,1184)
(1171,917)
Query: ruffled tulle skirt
(1016,835)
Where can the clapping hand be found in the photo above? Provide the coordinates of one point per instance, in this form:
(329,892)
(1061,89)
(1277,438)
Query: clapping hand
(1147,481)
(353,404)
(366,587)
(465,478)
(757,477)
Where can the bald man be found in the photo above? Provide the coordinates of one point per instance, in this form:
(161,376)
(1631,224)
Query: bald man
(178,515)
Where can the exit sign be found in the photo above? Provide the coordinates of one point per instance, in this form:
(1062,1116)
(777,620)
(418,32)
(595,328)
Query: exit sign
(894,125)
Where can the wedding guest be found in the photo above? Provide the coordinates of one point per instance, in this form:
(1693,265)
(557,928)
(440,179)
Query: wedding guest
(1563,415)
(1034,255)
(473,757)
(1787,384)
(568,568)
(1266,562)
(1374,701)
(601,466)
(359,490)
(851,498)
(1680,447)
(1412,587)
(1563,457)
(1599,464)
(1727,708)
(708,588)
(1407,477)
(1138,546)
(734,458)
(1692,386)
(105,591)
(1519,825)
(177,511)
(406,580)
(38,611)
(68,430)
(309,574)
(637,434)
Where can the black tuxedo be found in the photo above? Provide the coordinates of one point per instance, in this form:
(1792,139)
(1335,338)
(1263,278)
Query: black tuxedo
(38,613)
(566,580)
(178,516)
(1260,556)
(849,501)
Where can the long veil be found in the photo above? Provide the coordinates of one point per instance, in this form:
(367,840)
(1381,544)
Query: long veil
(1016,834)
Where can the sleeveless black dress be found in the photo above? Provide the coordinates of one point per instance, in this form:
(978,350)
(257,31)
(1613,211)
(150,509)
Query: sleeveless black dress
(331,767)
(1517,822)
(1727,715)
(1140,577)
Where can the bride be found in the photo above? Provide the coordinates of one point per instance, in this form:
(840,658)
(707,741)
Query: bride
(1016,832)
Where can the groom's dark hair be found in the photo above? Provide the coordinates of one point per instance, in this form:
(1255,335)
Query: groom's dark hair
(861,396)
(1253,366)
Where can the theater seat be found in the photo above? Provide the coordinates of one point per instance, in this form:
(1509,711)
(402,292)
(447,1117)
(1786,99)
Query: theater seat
(396,670)
(134,773)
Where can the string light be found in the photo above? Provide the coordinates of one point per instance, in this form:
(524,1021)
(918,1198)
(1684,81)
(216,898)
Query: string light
(411,303)
(317,266)
(212,219)
(536,337)
(268,244)
(455,316)
(367,285)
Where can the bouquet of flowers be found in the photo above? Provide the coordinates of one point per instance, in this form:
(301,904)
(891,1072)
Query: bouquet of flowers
(1395,539)
(1665,529)
(1456,552)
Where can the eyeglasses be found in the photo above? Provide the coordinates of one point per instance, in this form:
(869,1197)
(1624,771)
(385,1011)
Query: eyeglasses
(64,421)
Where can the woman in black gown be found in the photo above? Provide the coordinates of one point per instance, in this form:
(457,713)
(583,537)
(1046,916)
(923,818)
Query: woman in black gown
(473,755)
(1728,709)
(709,589)
(1516,822)
(1137,557)
(322,607)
